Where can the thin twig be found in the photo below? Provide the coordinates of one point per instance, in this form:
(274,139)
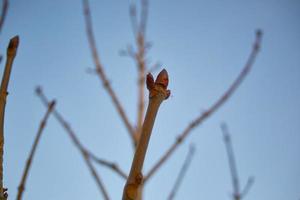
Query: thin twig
(76,142)
(237,194)
(100,70)
(11,54)
(231,161)
(247,187)
(182,172)
(3,13)
(21,187)
(213,108)
(141,61)
(111,165)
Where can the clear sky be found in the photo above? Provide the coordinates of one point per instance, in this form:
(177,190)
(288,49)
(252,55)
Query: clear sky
(203,45)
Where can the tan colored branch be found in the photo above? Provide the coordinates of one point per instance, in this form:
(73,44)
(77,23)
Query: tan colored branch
(111,165)
(3,13)
(213,108)
(237,194)
(157,93)
(182,172)
(11,54)
(76,142)
(21,187)
(101,73)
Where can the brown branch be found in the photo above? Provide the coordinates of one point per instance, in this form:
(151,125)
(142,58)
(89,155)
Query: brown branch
(76,142)
(21,187)
(237,195)
(100,70)
(213,108)
(158,92)
(111,165)
(11,54)
(182,172)
(3,13)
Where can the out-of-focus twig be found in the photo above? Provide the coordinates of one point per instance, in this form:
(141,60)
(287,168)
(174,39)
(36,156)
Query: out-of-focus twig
(111,165)
(11,54)
(21,187)
(182,172)
(76,142)
(237,195)
(100,70)
(3,13)
(213,108)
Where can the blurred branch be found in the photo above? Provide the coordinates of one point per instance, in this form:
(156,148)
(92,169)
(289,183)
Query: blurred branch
(100,70)
(21,187)
(3,13)
(76,142)
(237,195)
(182,172)
(11,54)
(196,122)
(111,165)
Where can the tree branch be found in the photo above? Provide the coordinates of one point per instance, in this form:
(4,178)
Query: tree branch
(21,187)
(237,195)
(213,108)
(3,13)
(182,172)
(11,54)
(111,165)
(158,92)
(76,142)
(100,70)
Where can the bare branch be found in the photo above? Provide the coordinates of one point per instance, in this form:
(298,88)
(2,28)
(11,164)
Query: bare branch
(3,13)
(21,187)
(182,172)
(213,108)
(247,187)
(237,195)
(231,161)
(157,93)
(111,165)
(101,73)
(11,54)
(76,142)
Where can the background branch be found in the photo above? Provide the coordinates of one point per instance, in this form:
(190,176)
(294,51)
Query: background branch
(76,142)
(21,187)
(182,172)
(237,195)
(213,108)
(3,13)
(111,165)
(11,54)
(100,70)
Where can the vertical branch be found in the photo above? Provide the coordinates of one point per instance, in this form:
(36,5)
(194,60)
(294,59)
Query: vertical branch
(199,120)
(3,13)
(11,53)
(158,92)
(231,161)
(100,70)
(237,194)
(141,61)
(182,172)
(76,142)
(21,187)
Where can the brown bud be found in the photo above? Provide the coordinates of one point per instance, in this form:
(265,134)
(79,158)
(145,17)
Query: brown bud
(162,79)
(150,81)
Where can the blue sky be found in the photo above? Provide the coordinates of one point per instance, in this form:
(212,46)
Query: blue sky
(203,45)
